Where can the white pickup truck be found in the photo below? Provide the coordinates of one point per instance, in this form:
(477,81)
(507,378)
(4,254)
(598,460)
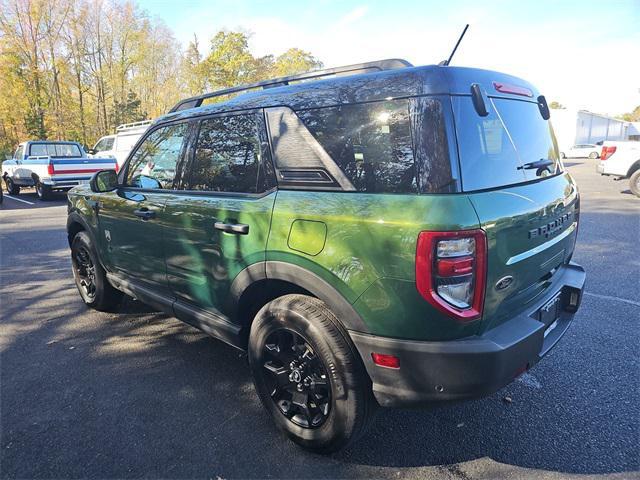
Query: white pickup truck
(120,144)
(621,160)
(51,166)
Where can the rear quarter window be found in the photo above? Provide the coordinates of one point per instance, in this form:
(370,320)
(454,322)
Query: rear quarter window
(397,146)
(495,149)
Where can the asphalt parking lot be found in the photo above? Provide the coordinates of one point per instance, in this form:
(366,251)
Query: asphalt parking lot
(138,394)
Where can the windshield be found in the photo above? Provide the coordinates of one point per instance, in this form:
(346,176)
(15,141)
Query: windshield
(511,145)
(55,150)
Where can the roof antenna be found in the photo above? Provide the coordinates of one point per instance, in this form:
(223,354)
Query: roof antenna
(445,63)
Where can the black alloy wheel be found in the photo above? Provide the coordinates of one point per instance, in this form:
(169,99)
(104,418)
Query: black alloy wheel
(86,272)
(297,379)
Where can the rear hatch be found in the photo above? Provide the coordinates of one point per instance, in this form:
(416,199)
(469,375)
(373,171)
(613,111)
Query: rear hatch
(526,203)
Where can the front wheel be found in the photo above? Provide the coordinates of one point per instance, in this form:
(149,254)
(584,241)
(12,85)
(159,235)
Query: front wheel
(308,374)
(12,188)
(634,183)
(90,277)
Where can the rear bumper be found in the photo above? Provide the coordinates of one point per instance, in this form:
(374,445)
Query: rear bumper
(474,366)
(67,183)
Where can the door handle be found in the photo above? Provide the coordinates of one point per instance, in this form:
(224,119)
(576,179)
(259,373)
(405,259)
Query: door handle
(235,228)
(144,213)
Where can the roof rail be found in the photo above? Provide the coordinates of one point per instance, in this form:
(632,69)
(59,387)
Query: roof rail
(127,126)
(379,65)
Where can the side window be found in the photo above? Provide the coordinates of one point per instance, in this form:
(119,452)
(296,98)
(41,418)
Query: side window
(154,163)
(18,155)
(227,155)
(371,143)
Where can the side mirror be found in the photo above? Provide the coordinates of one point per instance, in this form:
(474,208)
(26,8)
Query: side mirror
(92,151)
(104,181)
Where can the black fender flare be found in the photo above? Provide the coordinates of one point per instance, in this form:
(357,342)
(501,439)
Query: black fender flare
(314,284)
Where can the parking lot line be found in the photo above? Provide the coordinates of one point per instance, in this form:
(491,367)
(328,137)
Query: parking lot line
(609,297)
(19,200)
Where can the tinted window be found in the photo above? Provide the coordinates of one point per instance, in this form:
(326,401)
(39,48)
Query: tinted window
(495,150)
(371,143)
(57,150)
(155,162)
(227,156)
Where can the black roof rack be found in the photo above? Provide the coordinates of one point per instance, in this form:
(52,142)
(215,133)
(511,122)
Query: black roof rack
(379,65)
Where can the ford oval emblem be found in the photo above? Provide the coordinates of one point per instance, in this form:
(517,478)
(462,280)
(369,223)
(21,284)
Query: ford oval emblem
(504,282)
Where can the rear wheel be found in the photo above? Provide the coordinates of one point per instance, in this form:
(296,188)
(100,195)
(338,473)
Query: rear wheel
(308,375)
(593,155)
(634,183)
(562,155)
(12,188)
(90,277)
(43,191)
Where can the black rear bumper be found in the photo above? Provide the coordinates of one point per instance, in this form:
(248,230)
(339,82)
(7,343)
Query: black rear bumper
(474,366)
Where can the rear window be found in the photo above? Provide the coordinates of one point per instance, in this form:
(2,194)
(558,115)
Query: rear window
(56,150)
(394,146)
(501,148)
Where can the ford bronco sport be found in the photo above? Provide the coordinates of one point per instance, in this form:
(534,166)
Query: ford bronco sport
(378,234)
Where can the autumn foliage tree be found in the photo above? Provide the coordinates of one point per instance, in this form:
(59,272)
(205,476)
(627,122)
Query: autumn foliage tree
(75,69)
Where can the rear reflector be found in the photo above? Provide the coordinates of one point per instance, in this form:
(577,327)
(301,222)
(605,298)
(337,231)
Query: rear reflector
(384,360)
(607,152)
(512,89)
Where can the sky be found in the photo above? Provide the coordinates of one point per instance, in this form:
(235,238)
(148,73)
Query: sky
(584,54)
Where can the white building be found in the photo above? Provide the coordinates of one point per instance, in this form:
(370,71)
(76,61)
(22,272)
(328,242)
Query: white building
(576,127)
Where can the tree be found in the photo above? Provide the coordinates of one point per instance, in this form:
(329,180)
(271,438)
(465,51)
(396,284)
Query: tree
(75,69)
(230,62)
(633,116)
(295,61)
(128,111)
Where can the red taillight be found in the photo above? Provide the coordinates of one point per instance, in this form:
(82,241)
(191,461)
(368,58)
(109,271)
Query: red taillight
(451,269)
(384,360)
(50,169)
(117,167)
(607,152)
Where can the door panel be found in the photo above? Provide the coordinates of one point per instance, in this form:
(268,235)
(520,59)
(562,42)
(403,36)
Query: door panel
(133,243)
(202,260)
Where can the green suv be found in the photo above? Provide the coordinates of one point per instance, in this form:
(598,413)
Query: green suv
(372,235)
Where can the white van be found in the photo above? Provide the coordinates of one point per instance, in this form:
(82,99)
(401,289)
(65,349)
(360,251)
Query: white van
(120,144)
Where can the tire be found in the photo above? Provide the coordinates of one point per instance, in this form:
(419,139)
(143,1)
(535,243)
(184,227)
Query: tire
(91,279)
(634,183)
(562,155)
(593,155)
(343,407)
(12,188)
(43,191)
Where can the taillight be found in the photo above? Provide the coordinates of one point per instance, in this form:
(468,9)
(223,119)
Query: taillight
(117,167)
(451,270)
(607,152)
(50,169)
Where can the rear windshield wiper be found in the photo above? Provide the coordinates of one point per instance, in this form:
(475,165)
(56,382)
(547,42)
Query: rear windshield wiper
(538,164)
